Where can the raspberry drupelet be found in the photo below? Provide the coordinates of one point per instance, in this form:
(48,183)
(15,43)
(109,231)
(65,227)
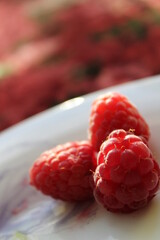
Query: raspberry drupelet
(64,172)
(114,111)
(127,176)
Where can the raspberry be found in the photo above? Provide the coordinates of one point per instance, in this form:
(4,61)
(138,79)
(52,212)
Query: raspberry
(64,172)
(114,111)
(127,176)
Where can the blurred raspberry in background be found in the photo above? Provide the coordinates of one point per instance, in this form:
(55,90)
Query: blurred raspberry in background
(52,50)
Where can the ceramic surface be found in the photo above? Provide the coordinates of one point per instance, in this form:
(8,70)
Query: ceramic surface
(27,214)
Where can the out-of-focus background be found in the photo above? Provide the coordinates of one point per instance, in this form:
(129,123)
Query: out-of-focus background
(54,50)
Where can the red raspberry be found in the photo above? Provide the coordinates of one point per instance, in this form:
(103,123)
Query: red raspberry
(127,176)
(114,111)
(64,172)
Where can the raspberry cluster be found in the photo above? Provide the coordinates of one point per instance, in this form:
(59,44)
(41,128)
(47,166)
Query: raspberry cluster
(127,176)
(114,111)
(64,172)
(115,166)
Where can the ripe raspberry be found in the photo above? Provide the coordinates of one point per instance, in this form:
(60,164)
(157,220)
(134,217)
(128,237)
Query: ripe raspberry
(64,172)
(114,111)
(127,176)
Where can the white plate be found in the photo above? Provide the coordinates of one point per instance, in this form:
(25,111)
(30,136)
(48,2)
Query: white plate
(27,214)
